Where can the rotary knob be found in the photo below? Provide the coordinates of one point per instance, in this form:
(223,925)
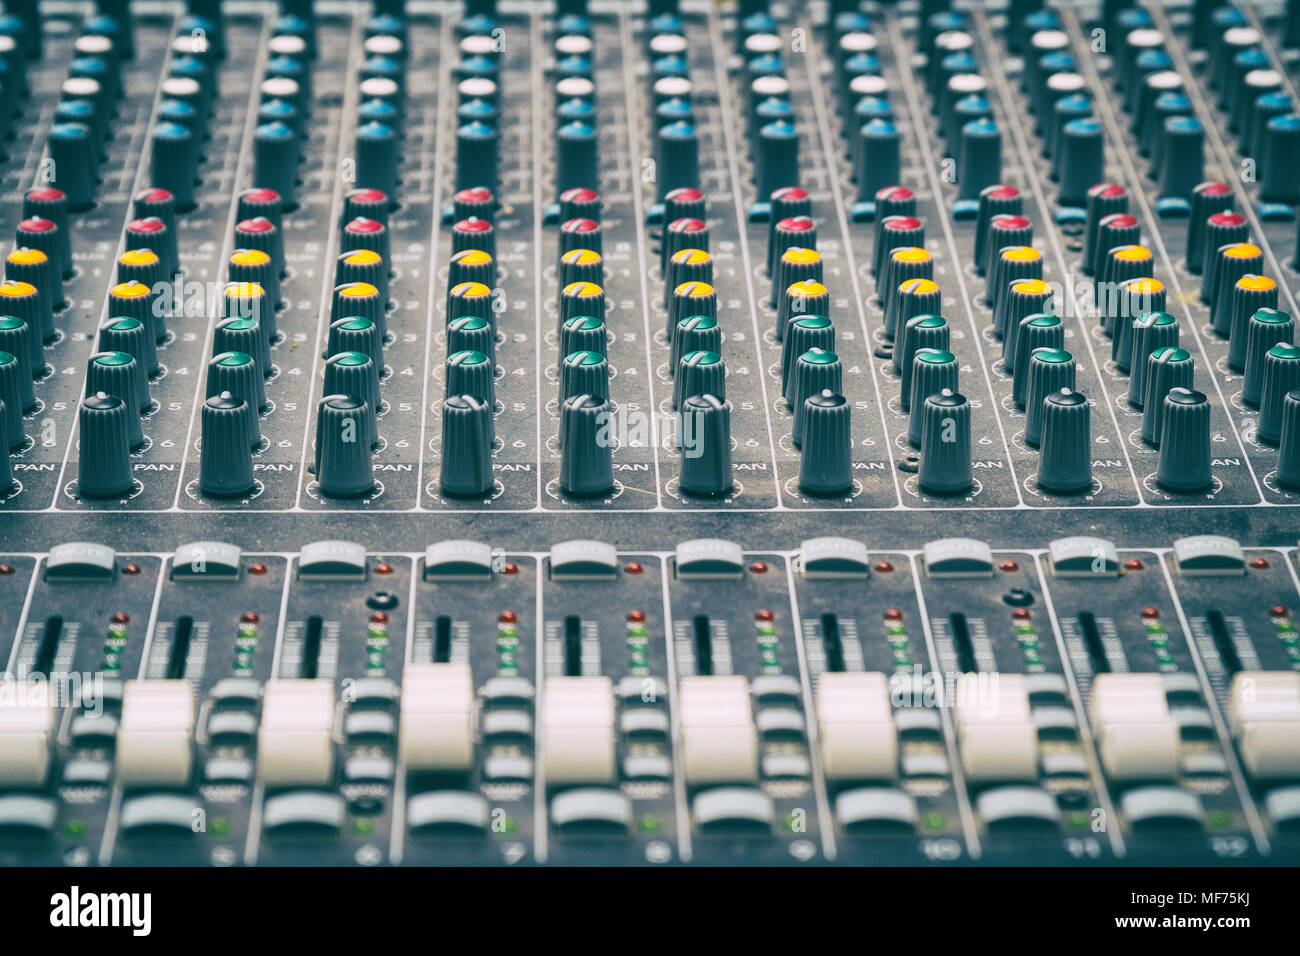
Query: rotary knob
(1065,459)
(466,447)
(705,440)
(1184,464)
(945,466)
(825,464)
(343,468)
(586,467)
(225,461)
(104,466)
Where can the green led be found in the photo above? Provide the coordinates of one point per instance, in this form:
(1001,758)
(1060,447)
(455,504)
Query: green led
(248,633)
(895,629)
(363,826)
(934,821)
(649,823)
(374,660)
(1290,640)
(636,630)
(507,825)
(766,630)
(769,657)
(1078,820)
(113,665)
(219,826)
(508,630)
(1033,657)
(1160,640)
(1220,819)
(1025,629)
(1285,624)
(74,828)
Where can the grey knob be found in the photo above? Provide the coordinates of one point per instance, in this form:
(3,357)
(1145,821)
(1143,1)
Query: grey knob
(815,371)
(1184,464)
(1065,459)
(582,333)
(225,461)
(1050,370)
(699,373)
(805,333)
(467,436)
(116,373)
(1281,375)
(343,468)
(933,370)
(12,380)
(1265,329)
(353,373)
(695,333)
(237,373)
(17,339)
(1151,331)
(359,334)
(1167,368)
(945,467)
(130,336)
(584,373)
(243,334)
(1033,332)
(586,468)
(1288,458)
(1250,295)
(705,441)
(1137,297)
(826,466)
(471,373)
(104,468)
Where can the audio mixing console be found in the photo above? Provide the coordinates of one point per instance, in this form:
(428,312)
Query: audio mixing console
(551,431)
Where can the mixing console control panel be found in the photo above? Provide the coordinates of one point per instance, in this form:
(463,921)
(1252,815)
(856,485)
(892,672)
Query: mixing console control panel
(853,432)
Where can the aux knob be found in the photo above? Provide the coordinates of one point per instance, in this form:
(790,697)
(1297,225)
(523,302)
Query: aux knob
(1065,453)
(586,467)
(705,441)
(225,460)
(1184,464)
(467,434)
(104,466)
(945,465)
(343,468)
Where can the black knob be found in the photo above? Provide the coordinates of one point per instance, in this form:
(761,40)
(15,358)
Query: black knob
(357,375)
(470,333)
(238,374)
(895,232)
(1040,331)
(1151,331)
(825,465)
(791,223)
(471,373)
(1081,160)
(366,265)
(576,163)
(806,332)
(1278,181)
(1265,329)
(933,371)
(1223,268)
(979,162)
(705,441)
(1010,265)
(1004,231)
(584,373)
(343,468)
(1250,294)
(16,338)
(104,466)
(13,381)
(117,373)
(699,373)
(72,153)
(275,161)
(1281,376)
(1167,368)
(175,160)
(249,300)
(1103,199)
(586,467)
(904,264)
(582,298)
(1208,199)
(795,264)
(913,297)
(778,157)
(1183,162)
(1050,371)
(1136,298)
(1288,456)
(815,371)
(226,463)
(1065,459)
(467,433)
(878,163)
(585,333)
(945,467)
(471,299)
(678,148)
(1024,297)
(238,334)
(687,266)
(1184,464)
(51,205)
(995,200)
(580,202)
(683,232)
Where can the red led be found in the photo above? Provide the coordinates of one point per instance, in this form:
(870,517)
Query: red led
(510,568)
(634,567)
(1021,614)
(1133,564)
(1009,566)
(383,567)
(883,567)
(1277,610)
(759,567)
(257,568)
(507,617)
(636,617)
(131,569)
(249,617)
(765,615)
(1259,564)
(121,617)
(379,617)
(893,614)
(1151,613)
(6,569)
